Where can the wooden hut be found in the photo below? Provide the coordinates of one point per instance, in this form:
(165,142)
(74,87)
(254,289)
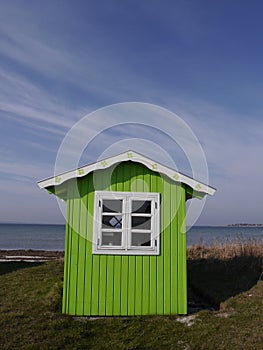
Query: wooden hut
(125,245)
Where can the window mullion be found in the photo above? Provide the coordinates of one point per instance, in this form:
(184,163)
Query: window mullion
(99,221)
(154,223)
(128,221)
(124,223)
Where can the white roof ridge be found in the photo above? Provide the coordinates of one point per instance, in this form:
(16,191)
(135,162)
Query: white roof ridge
(129,155)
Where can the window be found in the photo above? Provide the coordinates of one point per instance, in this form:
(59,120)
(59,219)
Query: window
(126,223)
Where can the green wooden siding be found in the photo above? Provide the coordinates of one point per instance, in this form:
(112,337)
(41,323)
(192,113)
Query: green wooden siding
(129,284)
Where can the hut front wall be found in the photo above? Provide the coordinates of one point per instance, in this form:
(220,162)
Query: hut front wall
(122,284)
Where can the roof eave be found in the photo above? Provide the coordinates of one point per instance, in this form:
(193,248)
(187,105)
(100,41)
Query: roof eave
(128,156)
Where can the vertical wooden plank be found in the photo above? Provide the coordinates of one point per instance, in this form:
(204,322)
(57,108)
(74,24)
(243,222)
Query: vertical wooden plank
(67,256)
(145,286)
(102,285)
(131,285)
(116,298)
(153,261)
(153,285)
(80,277)
(124,283)
(73,275)
(174,237)
(81,250)
(167,246)
(70,224)
(88,279)
(75,246)
(71,266)
(109,284)
(182,291)
(89,237)
(184,247)
(160,277)
(146,259)
(65,278)
(95,285)
(74,258)
(138,284)
(83,227)
(98,265)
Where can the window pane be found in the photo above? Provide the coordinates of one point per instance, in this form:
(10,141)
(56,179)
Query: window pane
(141,239)
(111,238)
(112,206)
(141,222)
(111,221)
(143,207)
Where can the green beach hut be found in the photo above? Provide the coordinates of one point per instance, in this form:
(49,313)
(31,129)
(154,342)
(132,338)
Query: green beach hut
(125,245)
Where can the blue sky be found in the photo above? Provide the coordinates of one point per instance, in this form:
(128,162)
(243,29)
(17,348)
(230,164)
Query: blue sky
(199,59)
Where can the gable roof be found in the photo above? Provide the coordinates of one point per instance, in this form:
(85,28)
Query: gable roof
(128,156)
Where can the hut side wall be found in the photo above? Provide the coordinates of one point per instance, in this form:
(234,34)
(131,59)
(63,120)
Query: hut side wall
(124,285)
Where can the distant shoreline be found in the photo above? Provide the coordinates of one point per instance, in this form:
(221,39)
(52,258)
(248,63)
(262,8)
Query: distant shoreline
(30,223)
(30,255)
(244,225)
(198,226)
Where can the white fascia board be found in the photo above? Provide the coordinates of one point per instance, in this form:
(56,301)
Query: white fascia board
(128,156)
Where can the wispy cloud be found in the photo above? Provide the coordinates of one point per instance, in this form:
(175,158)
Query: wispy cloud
(34,53)
(89,71)
(24,99)
(24,170)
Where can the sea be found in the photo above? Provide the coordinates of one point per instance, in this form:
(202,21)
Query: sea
(51,237)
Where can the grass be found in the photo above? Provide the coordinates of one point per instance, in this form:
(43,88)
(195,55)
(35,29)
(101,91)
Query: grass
(229,249)
(30,300)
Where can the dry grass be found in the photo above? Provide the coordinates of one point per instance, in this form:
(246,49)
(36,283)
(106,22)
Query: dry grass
(229,249)
(223,270)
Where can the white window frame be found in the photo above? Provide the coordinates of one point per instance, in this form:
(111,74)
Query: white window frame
(126,248)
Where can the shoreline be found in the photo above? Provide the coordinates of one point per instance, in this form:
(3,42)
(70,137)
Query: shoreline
(30,255)
(228,249)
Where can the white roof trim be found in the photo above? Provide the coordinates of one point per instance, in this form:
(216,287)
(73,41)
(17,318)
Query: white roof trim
(134,157)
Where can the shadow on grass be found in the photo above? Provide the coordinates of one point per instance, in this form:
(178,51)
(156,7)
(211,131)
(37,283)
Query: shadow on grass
(216,280)
(10,266)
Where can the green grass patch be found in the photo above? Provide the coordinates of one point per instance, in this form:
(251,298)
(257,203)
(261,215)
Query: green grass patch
(30,318)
